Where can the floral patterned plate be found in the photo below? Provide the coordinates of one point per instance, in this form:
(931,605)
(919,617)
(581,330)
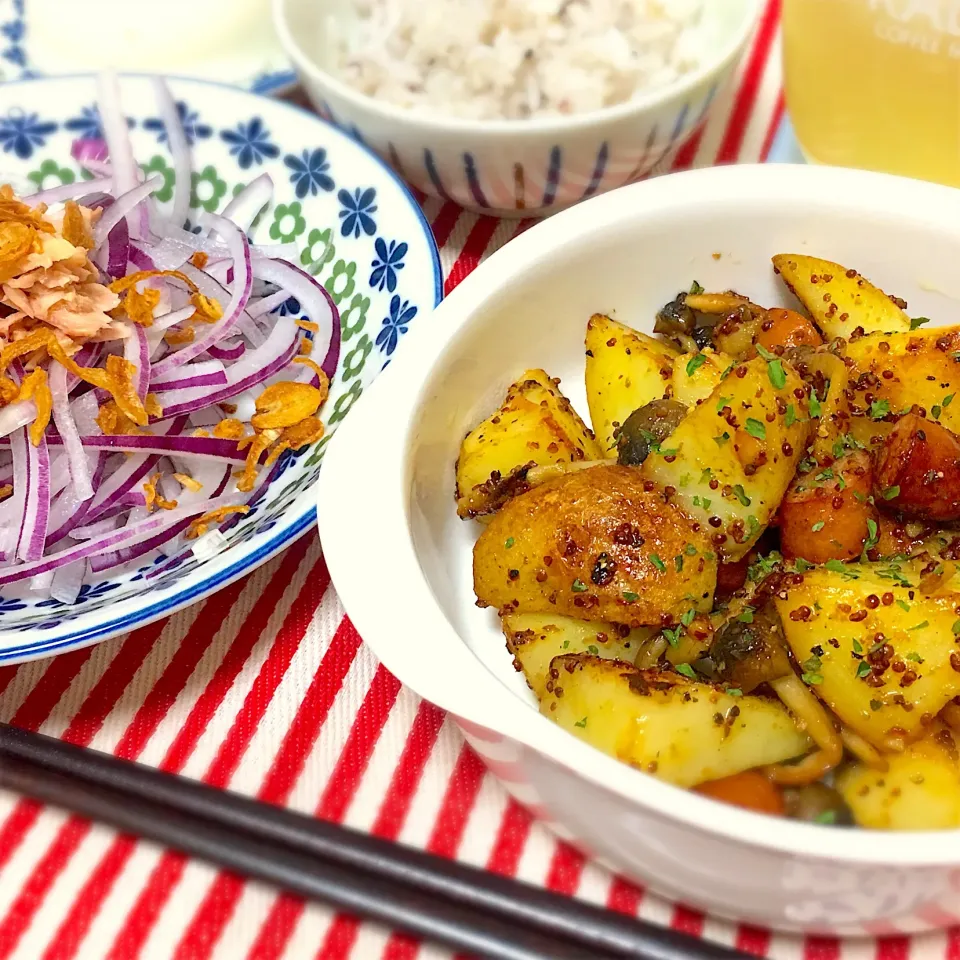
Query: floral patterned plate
(263,69)
(360,233)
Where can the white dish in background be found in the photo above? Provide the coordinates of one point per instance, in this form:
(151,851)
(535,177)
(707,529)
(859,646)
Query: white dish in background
(517,168)
(230,41)
(406,577)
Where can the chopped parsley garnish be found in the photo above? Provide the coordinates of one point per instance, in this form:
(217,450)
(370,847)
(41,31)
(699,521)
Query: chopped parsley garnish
(741,495)
(891,492)
(746,616)
(827,474)
(903,605)
(594,649)
(791,418)
(814,405)
(695,288)
(566,643)
(874,535)
(695,363)
(722,439)
(688,617)
(578,586)
(826,817)
(857,646)
(630,597)
(722,402)
(915,657)
(802,565)
(921,625)
(706,476)
(686,670)
(863,669)
(673,635)
(756,428)
(690,550)
(658,563)
(956,628)
(936,411)
(918,322)
(948,399)
(776,374)
(838,566)
(879,409)
(764,352)
(876,705)
(753,524)
(811,678)
(509,542)
(734,692)
(581,723)
(818,526)
(678,562)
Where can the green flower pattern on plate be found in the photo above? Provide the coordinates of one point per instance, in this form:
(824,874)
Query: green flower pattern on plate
(258,219)
(287,224)
(341,283)
(158,165)
(319,251)
(345,401)
(354,317)
(207,189)
(353,362)
(51,174)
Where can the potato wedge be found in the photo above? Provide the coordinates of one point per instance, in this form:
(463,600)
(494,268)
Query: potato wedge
(890,373)
(838,299)
(535,426)
(626,369)
(881,688)
(697,375)
(787,328)
(535,639)
(683,732)
(732,458)
(918,471)
(919,791)
(595,545)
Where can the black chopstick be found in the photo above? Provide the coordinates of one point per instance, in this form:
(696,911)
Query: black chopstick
(463,908)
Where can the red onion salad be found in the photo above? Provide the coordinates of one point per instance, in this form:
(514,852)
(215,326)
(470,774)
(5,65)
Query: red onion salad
(147,387)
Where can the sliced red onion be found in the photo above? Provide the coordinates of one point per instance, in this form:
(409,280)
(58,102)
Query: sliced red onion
(316,304)
(228,351)
(67,191)
(245,206)
(87,149)
(240,251)
(67,427)
(200,373)
(125,204)
(179,148)
(68,511)
(85,410)
(173,318)
(16,415)
(117,136)
(67,580)
(99,527)
(142,260)
(32,467)
(118,250)
(268,304)
(211,448)
(127,537)
(136,350)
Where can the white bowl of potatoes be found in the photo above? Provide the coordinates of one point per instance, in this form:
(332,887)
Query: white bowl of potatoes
(693,596)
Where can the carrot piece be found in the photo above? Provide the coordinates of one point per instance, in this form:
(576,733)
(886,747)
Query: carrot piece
(750,790)
(787,328)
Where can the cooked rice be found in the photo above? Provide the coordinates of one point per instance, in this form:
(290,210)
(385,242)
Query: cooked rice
(514,59)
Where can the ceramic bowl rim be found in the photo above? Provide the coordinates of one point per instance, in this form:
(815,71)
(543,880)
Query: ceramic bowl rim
(395,401)
(247,560)
(550,126)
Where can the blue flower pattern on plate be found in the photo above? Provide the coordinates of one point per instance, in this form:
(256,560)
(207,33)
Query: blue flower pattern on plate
(356,213)
(396,324)
(250,143)
(11,606)
(88,126)
(21,133)
(89,591)
(309,172)
(193,129)
(388,261)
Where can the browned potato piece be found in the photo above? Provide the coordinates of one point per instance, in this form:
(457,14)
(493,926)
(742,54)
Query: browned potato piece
(840,300)
(601,544)
(787,328)
(918,471)
(896,536)
(891,373)
(535,427)
(825,514)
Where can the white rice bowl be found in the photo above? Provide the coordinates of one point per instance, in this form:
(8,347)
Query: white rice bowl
(518,59)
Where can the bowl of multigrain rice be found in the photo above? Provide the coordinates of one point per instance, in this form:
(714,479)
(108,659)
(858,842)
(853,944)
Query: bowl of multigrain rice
(517,107)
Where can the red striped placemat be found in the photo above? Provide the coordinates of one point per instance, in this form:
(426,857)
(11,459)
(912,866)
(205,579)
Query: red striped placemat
(266,688)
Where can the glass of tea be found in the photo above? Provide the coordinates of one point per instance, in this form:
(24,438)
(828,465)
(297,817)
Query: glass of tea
(876,84)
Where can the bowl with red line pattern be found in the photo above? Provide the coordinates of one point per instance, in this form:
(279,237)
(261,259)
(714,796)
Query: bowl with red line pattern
(407,580)
(519,168)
